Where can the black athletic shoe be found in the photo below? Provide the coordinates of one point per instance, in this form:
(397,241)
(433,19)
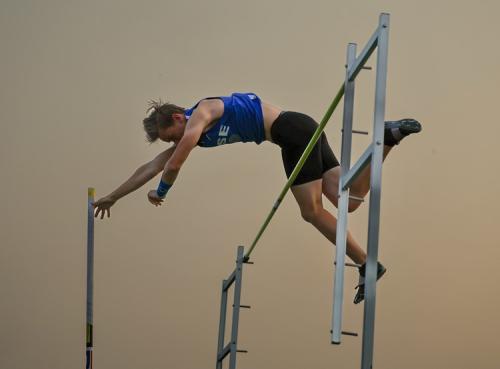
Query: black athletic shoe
(360,295)
(396,130)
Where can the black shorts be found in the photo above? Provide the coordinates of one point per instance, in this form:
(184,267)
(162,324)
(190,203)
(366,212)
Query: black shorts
(292,132)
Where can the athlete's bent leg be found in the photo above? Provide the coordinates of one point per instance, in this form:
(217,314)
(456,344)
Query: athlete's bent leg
(308,196)
(361,185)
(359,188)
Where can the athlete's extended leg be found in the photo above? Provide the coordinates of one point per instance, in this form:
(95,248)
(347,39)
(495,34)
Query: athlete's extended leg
(309,198)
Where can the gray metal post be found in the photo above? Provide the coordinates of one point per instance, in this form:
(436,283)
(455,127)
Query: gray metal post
(90,279)
(375,193)
(236,308)
(222,323)
(343,201)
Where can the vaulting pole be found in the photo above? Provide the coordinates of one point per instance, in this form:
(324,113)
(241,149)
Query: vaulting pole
(298,167)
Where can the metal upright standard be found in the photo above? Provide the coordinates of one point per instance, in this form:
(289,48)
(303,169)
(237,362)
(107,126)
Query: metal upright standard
(231,348)
(343,201)
(90,278)
(373,155)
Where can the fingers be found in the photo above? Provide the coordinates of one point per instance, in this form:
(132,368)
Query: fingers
(155,202)
(102,207)
(101,212)
(154,199)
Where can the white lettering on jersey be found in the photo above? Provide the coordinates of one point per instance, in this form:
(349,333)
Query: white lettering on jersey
(221,141)
(224,131)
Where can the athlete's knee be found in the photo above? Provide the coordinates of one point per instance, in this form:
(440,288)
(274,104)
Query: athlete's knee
(311,213)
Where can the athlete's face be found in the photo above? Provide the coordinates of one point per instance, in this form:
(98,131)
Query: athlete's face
(175,131)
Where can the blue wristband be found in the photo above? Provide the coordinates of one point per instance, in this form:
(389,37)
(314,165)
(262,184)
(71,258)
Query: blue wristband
(163,188)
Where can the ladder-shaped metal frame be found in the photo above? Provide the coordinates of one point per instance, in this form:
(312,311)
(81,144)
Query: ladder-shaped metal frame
(373,155)
(231,348)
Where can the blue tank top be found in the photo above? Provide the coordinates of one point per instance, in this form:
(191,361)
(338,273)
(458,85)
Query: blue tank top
(242,121)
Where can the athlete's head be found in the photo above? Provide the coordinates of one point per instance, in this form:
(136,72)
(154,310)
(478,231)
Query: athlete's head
(165,121)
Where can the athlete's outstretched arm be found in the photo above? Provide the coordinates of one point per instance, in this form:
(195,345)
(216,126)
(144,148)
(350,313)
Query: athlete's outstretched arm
(142,175)
(192,133)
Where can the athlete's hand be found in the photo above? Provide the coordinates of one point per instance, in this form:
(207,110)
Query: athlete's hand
(154,198)
(102,206)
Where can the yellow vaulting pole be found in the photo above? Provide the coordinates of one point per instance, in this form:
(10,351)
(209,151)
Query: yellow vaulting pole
(298,167)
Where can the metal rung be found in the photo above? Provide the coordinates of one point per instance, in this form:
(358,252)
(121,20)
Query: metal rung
(360,132)
(246,260)
(244,306)
(354,334)
(349,264)
(242,351)
(357,131)
(367,67)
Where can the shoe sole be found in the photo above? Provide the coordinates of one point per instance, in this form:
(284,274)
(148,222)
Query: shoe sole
(410,126)
(406,126)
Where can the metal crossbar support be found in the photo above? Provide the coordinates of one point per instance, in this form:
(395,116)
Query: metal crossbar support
(374,156)
(90,280)
(231,348)
(358,132)
(349,264)
(354,69)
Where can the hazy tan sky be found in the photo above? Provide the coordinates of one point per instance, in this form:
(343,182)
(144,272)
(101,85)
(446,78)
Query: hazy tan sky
(76,78)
